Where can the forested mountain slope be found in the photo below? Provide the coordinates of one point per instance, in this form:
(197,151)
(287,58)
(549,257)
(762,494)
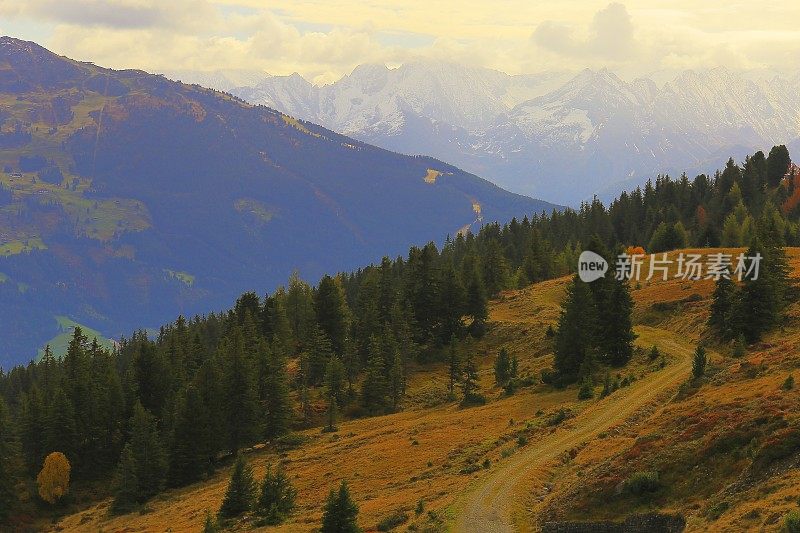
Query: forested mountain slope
(126,198)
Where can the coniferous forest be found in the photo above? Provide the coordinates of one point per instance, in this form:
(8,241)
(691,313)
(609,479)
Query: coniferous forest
(164,410)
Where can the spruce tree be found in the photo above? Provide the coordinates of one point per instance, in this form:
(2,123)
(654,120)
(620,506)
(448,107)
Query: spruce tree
(320,351)
(148,453)
(241,492)
(278,403)
(397,381)
(502,368)
(333,315)
(188,454)
(335,379)
(9,471)
(241,397)
(476,303)
(469,379)
(615,330)
(126,484)
(374,390)
(699,362)
(451,304)
(61,433)
(723,301)
(341,512)
(32,426)
(576,331)
(210,385)
(453,367)
(276,498)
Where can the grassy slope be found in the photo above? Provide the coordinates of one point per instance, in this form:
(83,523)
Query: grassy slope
(392,462)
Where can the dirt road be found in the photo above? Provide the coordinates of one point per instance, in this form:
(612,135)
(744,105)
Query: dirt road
(492,505)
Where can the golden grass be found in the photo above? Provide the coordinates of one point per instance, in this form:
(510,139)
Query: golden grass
(393,462)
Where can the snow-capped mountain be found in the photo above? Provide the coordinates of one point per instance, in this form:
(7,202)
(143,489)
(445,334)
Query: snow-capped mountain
(560,136)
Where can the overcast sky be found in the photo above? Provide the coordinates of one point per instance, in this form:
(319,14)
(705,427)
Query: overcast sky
(324,39)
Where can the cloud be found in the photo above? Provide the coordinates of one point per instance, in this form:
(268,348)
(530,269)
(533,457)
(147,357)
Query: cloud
(611,36)
(120,14)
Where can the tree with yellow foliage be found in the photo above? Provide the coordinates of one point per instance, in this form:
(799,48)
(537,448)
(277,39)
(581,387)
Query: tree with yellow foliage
(53,480)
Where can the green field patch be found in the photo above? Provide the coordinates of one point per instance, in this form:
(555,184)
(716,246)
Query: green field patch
(66,327)
(184,277)
(102,219)
(259,211)
(21,246)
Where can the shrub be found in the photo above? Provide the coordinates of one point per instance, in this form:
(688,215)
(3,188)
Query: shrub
(473,399)
(789,383)
(53,480)
(716,510)
(557,417)
(290,440)
(420,507)
(654,353)
(522,440)
(641,483)
(586,392)
(392,521)
(548,376)
(740,347)
(791,522)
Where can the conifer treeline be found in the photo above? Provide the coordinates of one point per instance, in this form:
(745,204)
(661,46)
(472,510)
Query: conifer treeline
(161,412)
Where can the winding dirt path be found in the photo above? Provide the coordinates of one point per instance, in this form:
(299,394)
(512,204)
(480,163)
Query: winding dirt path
(492,505)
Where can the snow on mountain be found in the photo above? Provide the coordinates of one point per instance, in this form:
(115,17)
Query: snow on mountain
(560,136)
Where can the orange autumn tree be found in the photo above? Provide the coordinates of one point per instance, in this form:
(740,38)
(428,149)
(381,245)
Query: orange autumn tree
(53,480)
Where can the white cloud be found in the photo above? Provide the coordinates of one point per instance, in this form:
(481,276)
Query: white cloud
(324,39)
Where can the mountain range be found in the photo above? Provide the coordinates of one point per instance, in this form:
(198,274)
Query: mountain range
(127,198)
(557,135)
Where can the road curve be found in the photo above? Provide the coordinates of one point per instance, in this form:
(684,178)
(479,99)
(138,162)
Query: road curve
(491,505)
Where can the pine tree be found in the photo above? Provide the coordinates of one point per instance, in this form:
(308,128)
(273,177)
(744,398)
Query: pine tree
(699,362)
(9,472)
(451,304)
(278,402)
(61,433)
(374,390)
(188,454)
(495,269)
(241,409)
(148,454)
(576,330)
(453,367)
(476,305)
(32,427)
(335,379)
(332,414)
(777,164)
(502,368)
(320,351)
(211,387)
(241,492)
(397,381)
(333,315)
(340,513)
(469,379)
(615,330)
(277,497)
(126,485)
(723,301)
